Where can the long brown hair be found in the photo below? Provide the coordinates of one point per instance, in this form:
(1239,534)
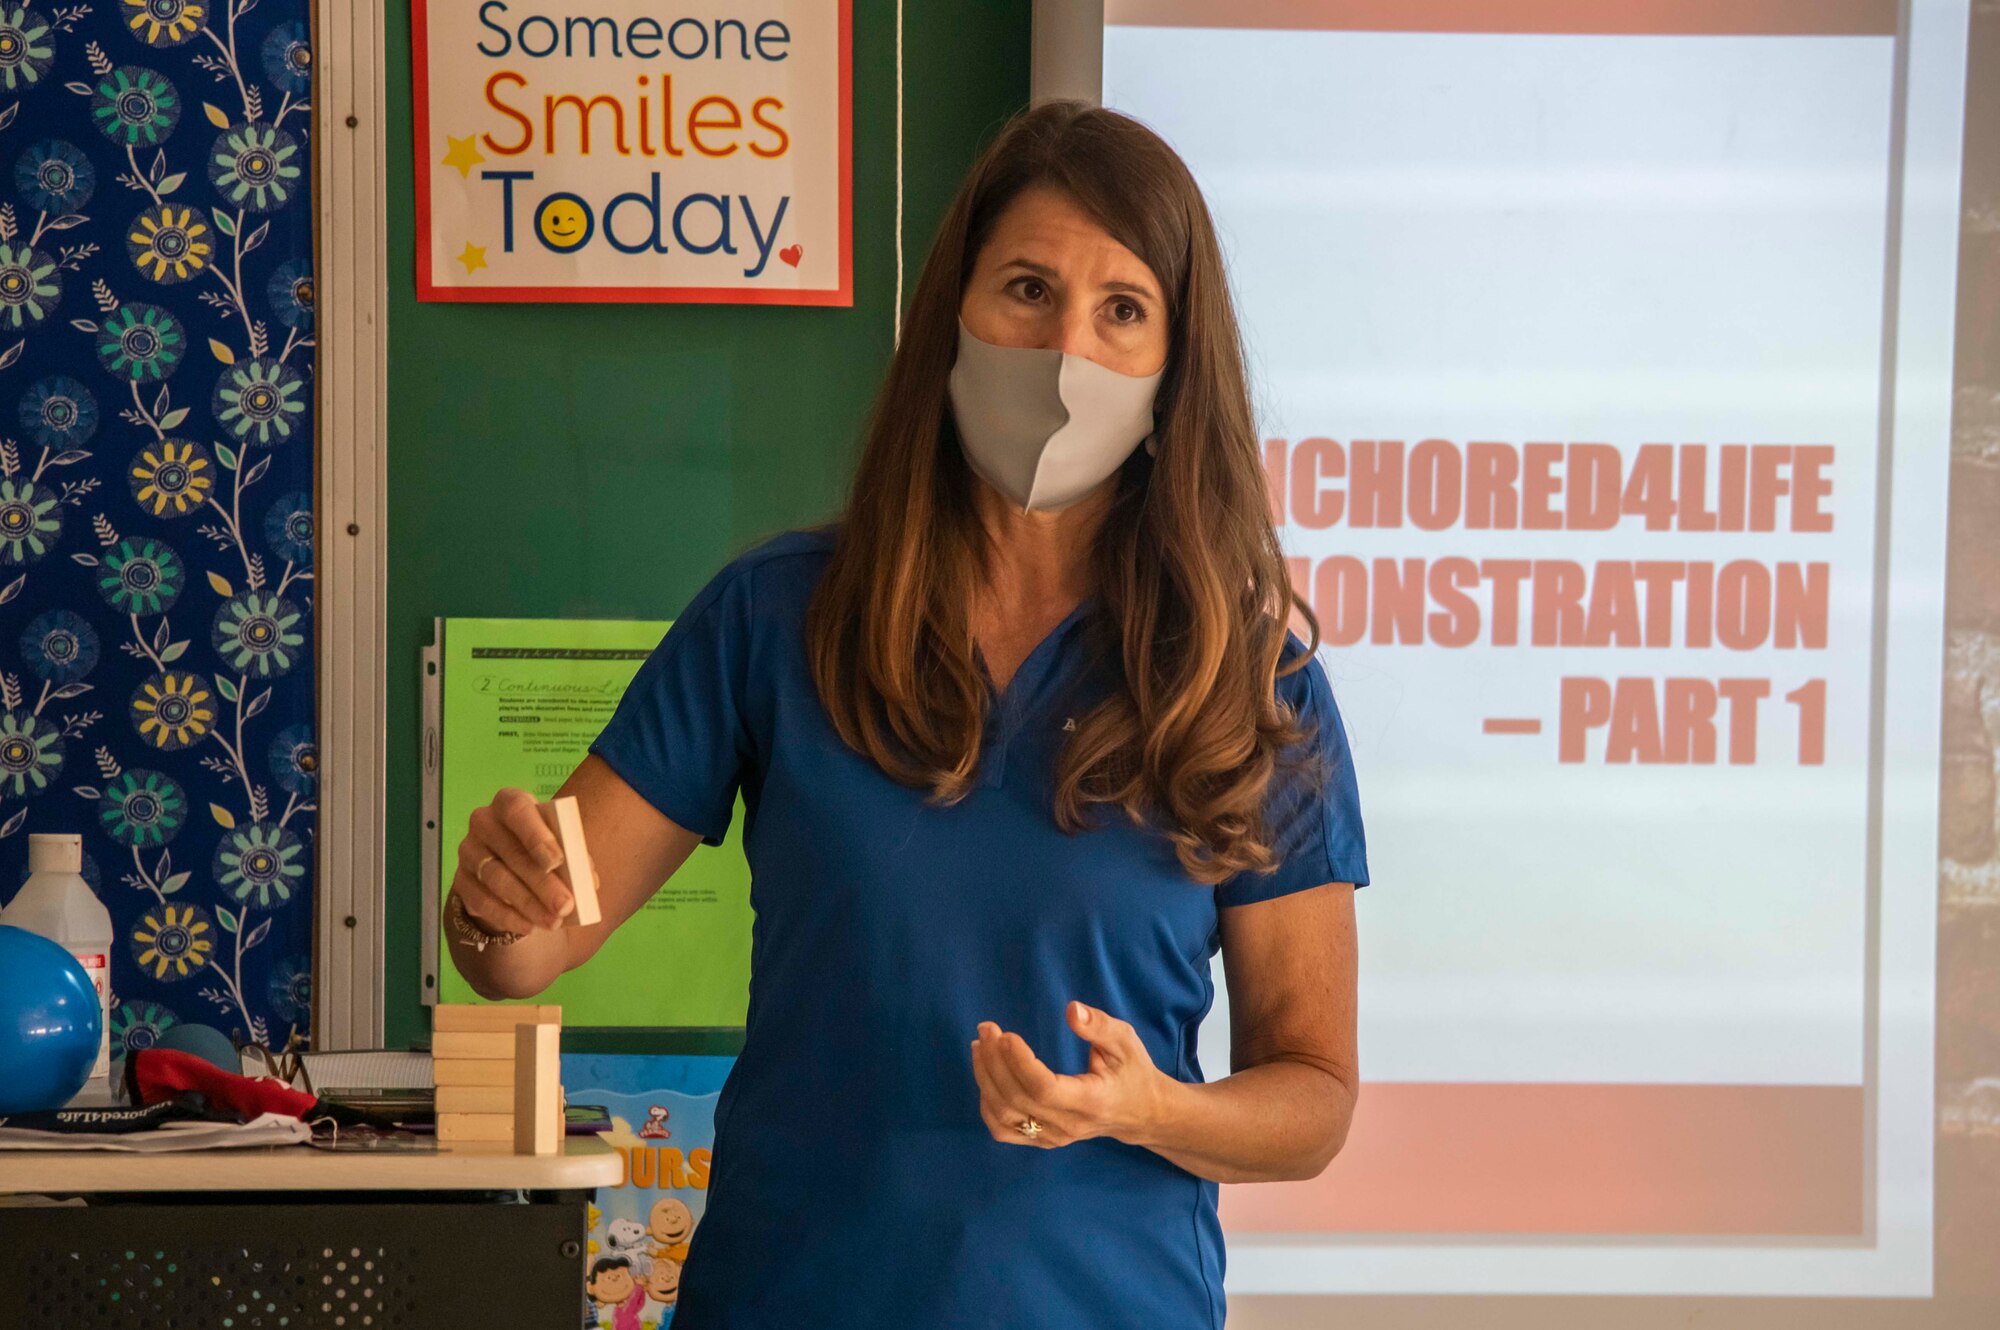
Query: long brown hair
(1191,585)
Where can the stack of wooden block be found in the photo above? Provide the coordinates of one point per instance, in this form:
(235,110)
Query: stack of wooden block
(499,1075)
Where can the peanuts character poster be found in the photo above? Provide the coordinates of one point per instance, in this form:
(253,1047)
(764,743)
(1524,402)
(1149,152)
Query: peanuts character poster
(663,1121)
(622,152)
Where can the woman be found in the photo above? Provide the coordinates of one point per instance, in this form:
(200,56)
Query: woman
(1021,739)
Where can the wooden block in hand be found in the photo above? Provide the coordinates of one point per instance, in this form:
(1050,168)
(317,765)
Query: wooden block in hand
(481,1127)
(566,820)
(473,1044)
(538,1111)
(496,1017)
(472,1071)
(475,1099)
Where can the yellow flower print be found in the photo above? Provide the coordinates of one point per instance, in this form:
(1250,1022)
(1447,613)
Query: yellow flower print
(167,237)
(177,939)
(171,474)
(172,710)
(165,22)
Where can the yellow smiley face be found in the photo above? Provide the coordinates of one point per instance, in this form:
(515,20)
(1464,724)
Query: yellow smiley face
(563,222)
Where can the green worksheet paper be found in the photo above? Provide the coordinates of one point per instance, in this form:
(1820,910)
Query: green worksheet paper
(523,699)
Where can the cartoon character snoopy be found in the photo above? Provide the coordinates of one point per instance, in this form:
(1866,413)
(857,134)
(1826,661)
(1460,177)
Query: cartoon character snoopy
(628,1238)
(655,1127)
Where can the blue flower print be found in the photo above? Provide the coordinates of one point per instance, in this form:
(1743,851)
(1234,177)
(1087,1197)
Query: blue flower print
(294,759)
(290,292)
(136,1025)
(27,46)
(59,412)
(260,400)
(289,528)
(288,58)
(60,646)
(141,342)
(142,808)
(30,285)
(255,166)
(290,988)
(135,107)
(260,864)
(141,577)
(136,270)
(54,176)
(164,23)
(31,521)
(258,634)
(31,752)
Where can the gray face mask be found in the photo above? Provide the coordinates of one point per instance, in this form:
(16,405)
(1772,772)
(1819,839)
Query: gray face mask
(1045,427)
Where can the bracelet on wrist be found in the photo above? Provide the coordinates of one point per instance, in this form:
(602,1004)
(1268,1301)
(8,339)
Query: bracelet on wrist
(463,927)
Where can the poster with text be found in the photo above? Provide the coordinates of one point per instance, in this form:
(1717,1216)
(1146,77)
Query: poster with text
(522,701)
(663,1128)
(1603,359)
(631,153)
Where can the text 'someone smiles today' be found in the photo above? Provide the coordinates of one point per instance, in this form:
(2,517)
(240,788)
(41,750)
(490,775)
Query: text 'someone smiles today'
(551,106)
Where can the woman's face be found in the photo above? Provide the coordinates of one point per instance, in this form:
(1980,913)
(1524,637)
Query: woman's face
(1050,277)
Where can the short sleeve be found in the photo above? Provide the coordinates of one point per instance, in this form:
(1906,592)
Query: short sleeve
(1315,832)
(678,735)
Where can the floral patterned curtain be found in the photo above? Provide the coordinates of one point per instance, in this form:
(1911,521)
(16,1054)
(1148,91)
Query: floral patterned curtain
(156,472)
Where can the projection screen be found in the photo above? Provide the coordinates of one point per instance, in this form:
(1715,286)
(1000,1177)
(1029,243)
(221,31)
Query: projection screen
(1604,365)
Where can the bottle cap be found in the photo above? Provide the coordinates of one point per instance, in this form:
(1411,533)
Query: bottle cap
(55,853)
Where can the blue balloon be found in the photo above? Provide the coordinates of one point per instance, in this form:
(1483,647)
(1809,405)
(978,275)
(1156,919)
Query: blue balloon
(50,1023)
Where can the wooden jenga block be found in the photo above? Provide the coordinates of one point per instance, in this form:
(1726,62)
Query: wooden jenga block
(475,1099)
(473,1044)
(538,1113)
(480,1127)
(483,1017)
(566,820)
(478,1071)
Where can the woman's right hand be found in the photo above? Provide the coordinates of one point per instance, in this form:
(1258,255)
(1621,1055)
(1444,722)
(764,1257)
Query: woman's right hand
(506,878)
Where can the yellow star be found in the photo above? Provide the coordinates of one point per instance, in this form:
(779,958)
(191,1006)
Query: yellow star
(474,258)
(464,154)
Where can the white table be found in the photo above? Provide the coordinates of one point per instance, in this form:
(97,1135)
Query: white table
(586,1162)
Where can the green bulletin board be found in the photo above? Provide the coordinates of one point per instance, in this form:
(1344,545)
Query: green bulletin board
(522,700)
(604,461)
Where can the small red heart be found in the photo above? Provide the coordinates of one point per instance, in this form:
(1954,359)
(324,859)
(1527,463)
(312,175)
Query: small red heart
(792,254)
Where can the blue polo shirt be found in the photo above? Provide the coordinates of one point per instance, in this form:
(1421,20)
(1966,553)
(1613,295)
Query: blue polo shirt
(854,1185)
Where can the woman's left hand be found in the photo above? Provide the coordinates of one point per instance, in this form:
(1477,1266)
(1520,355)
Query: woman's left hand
(1119,1096)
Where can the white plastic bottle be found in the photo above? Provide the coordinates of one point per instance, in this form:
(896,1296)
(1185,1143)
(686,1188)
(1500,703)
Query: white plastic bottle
(56,902)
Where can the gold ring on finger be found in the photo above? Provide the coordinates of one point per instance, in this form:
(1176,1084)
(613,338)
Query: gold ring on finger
(1029,1127)
(479,873)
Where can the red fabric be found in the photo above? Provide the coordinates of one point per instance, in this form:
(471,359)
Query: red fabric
(163,1073)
